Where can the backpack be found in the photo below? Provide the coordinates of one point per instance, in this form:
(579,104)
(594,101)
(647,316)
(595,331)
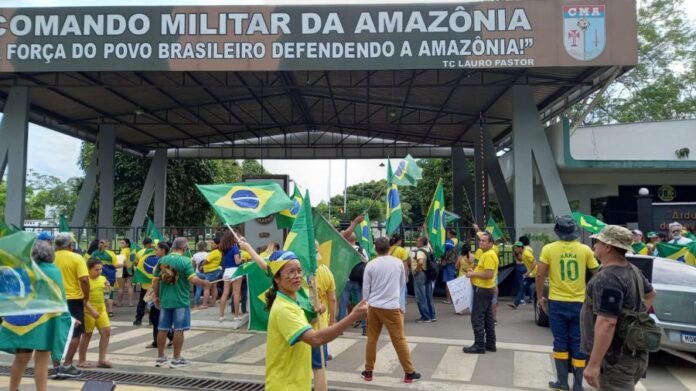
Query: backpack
(168,275)
(451,255)
(636,329)
(431,267)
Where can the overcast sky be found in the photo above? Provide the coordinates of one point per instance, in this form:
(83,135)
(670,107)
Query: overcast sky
(52,153)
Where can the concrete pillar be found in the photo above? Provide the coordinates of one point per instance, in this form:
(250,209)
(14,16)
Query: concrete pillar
(530,144)
(106,143)
(86,196)
(14,132)
(497,180)
(155,186)
(645,212)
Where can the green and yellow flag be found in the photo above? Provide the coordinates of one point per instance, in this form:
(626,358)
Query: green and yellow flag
(588,223)
(407,173)
(436,221)
(640,248)
(394,213)
(336,252)
(285,218)
(685,254)
(363,235)
(300,239)
(236,203)
(24,288)
(493,229)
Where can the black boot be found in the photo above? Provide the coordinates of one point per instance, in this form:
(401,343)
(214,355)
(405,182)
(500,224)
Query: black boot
(561,375)
(577,382)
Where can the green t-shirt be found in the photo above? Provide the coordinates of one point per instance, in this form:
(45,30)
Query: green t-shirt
(175,295)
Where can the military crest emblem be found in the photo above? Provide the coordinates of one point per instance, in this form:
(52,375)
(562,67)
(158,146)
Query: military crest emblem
(584,32)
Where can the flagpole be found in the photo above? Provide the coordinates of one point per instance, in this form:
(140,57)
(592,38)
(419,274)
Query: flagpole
(236,237)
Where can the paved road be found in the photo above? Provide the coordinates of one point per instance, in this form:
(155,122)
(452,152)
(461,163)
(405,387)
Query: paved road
(523,360)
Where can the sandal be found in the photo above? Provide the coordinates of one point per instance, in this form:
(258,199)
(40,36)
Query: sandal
(203,307)
(85,365)
(111,314)
(105,364)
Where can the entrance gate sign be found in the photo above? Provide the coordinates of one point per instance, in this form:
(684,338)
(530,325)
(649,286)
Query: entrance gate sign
(514,34)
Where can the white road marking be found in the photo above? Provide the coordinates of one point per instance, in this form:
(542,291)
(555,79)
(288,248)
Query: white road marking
(138,349)
(252,356)
(456,366)
(469,342)
(340,345)
(639,387)
(387,360)
(94,343)
(214,345)
(686,376)
(532,370)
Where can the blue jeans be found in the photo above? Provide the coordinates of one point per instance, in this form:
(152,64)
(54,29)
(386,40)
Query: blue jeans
(424,296)
(522,285)
(564,319)
(178,319)
(198,291)
(352,289)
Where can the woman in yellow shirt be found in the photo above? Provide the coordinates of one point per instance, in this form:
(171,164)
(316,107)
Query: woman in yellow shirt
(290,336)
(96,316)
(125,280)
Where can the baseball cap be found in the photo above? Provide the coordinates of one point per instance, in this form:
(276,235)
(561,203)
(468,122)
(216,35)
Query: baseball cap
(45,235)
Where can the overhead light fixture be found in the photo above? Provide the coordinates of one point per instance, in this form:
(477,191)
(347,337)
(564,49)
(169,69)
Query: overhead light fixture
(138,111)
(392,113)
(381,164)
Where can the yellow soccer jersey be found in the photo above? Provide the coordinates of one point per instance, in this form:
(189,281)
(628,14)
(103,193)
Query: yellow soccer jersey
(567,263)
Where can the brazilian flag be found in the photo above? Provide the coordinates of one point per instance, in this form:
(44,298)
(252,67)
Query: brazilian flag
(285,218)
(685,254)
(152,232)
(394,212)
(336,253)
(24,288)
(436,221)
(236,203)
(300,240)
(32,300)
(258,282)
(640,248)
(588,223)
(493,229)
(363,235)
(407,172)
(146,266)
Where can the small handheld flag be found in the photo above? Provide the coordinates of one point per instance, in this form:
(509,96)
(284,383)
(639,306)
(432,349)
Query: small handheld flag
(300,240)
(394,212)
(152,232)
(493,229)
(588,223)
(407,173)
(363,235)
(436,221)
(285,218)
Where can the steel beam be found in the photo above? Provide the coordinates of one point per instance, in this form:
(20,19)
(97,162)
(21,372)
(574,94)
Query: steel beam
(155,186)
(14,132)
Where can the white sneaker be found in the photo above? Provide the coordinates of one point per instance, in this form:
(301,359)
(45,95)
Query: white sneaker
(221,319)
(161,361)
(522,302)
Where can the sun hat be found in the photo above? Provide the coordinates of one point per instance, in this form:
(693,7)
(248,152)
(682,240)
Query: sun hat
(566,228)
(615,236)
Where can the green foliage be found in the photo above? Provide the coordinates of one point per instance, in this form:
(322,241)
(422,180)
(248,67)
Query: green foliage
(662,86)
(45,190)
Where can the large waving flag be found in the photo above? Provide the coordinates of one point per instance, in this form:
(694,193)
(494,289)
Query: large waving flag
(394,212)
(588,223)
(285,218)
(24,288)
(493,229)
(436,221)
(146,266)
(363,235)
(685,254)
(407,173)
(236,203)
(300,240)
(336,252)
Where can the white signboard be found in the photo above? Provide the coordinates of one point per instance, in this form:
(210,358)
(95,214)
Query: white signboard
(462,293)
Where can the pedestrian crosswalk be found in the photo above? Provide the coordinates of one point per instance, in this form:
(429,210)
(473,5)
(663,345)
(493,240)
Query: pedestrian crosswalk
(241,355)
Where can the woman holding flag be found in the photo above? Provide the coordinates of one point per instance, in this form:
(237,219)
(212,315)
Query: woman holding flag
(290,336)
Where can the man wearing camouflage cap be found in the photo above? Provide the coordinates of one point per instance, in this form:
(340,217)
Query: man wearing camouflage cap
(565,261)
(614,288)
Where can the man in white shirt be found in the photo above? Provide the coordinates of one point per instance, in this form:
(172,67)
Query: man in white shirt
(675,231)
(382,282)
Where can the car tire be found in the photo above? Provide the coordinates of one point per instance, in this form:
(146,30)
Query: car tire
(540,317)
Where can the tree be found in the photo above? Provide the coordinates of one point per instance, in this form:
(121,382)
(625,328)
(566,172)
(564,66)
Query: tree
(663,84)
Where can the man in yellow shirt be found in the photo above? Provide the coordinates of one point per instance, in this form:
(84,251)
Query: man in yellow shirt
(483,278)
(565,261)
(73,270)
